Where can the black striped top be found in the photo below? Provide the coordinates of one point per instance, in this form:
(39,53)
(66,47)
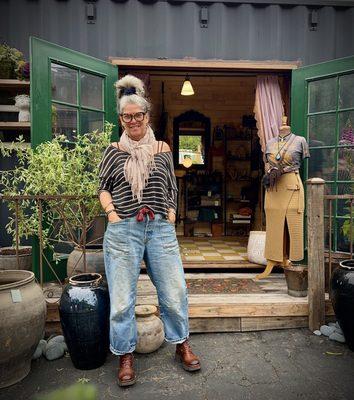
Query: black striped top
(159,194)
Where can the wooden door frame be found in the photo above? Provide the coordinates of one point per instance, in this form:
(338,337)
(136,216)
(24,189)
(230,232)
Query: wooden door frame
(198,64)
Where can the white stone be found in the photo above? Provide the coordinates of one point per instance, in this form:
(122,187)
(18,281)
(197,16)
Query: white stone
(338,330)
(317,333)
(40,349)
(56,339)
(54,350)
(337,337)
(327,330)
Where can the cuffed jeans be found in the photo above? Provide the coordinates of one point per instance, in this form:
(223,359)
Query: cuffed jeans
(126,243)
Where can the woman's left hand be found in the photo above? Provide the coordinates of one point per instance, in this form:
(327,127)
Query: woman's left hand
(171,216)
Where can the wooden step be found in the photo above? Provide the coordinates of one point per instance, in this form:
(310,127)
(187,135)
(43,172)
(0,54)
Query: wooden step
(274,309)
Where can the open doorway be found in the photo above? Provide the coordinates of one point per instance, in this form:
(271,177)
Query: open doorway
(217,156)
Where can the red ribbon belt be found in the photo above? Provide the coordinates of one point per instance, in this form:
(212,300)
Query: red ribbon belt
(145,211)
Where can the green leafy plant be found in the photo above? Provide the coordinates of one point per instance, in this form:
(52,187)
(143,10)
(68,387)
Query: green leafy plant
(79,391)
(9,60)
(346,226)
(55,168)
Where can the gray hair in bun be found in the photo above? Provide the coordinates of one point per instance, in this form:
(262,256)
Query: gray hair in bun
(130,90)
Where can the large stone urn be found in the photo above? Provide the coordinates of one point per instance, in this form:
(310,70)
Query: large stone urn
(94,261)
(84,316)
(22,320)
(342,297)
(150,329)
(10,260)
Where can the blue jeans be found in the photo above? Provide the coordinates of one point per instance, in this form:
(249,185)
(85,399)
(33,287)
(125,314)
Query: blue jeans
(126,243)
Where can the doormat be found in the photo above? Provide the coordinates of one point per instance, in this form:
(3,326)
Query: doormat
(222,286)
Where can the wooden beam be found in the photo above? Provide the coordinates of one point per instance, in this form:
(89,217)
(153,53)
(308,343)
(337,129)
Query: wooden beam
(315,245)
(14,83)
(14,125)
(265,323)
(8,108)
(201,325)
(221,65)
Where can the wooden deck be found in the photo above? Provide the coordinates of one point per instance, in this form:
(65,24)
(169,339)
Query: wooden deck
(226,312)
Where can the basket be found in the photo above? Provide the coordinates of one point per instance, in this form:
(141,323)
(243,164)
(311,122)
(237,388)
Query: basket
(256,246)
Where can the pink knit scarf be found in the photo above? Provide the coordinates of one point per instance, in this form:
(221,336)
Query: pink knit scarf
(140,162)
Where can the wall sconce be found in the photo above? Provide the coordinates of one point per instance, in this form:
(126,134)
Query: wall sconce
(91,13)
(187,88)
(313,20)
(203,16)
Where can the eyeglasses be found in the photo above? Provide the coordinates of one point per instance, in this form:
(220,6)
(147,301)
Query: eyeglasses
(139,116)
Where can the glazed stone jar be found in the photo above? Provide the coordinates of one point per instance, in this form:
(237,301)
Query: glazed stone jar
(342,296)
(150,329)
(84,317)
(22,320)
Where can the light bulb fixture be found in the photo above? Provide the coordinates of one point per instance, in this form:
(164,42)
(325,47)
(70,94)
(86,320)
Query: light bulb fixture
(187,88)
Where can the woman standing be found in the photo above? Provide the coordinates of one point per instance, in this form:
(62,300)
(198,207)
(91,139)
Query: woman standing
(138,192)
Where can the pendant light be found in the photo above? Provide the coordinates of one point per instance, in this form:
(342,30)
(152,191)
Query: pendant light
(187,88)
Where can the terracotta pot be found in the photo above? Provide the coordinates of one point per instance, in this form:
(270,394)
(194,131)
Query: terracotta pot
(9,259)
(342,297)
(22,316)
(150,329)
(297,280)
(94,261)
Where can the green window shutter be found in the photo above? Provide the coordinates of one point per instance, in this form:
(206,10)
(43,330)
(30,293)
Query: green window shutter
(43,57)
(70,93)
(322,110)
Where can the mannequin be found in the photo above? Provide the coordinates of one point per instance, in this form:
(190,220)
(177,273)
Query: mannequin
(284,201)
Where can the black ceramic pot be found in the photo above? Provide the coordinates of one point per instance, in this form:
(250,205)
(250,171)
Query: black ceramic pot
(342,296)
(84,316)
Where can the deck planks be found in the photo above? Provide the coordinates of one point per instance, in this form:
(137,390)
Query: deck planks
(273,309)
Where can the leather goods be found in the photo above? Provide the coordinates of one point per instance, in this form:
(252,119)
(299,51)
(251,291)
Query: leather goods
(184,354)
(126,373)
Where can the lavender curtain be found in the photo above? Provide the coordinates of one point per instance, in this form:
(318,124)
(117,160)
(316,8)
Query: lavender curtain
(268,108)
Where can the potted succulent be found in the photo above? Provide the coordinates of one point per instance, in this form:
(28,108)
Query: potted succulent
(56,168)
(9,59)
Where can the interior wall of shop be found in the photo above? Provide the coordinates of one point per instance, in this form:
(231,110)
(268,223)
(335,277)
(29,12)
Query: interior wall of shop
(223,99)
(164,29)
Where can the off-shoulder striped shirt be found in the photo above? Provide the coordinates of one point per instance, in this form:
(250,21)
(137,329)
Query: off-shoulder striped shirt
(159,194)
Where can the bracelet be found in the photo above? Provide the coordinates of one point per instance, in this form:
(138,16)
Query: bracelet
(107,206)
(108,212)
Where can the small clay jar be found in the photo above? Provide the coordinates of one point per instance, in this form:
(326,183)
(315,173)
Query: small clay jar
(150,329)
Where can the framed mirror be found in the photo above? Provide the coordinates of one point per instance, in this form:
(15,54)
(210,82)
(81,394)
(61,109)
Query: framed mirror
(191,140)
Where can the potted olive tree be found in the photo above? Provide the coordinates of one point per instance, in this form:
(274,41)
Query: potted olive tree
(55,170)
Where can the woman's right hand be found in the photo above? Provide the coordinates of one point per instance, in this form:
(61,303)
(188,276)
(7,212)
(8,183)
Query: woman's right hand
(113,217)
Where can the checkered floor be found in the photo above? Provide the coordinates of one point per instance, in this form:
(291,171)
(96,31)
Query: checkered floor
(213,249)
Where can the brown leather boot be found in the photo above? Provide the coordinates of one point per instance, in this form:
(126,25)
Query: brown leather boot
(126,373)
(184,353)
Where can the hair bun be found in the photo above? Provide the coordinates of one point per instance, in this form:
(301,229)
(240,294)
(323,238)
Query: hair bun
(129,85)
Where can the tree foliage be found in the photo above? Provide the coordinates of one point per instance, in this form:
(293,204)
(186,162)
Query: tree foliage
(55,168)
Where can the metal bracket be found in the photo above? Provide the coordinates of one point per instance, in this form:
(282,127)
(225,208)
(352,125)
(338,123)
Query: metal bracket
(203,16)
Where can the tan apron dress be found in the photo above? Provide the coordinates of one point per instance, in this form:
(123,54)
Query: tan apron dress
(284,205)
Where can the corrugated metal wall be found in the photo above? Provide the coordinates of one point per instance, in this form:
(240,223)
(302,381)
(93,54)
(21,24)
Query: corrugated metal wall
(172,30)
